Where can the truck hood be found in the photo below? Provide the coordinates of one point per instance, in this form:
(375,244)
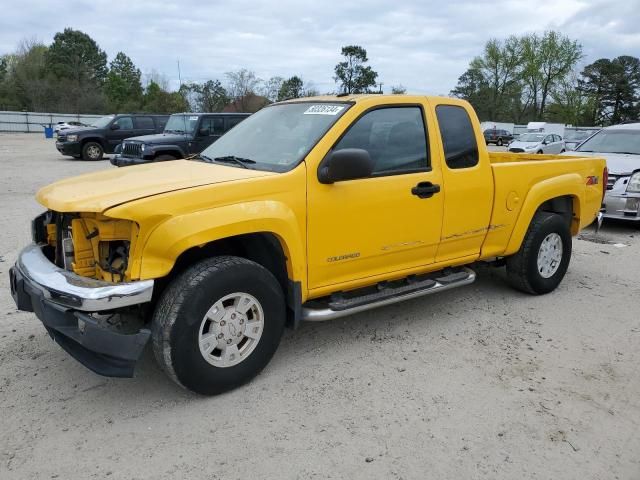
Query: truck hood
(99,191)
(617,163)
(158,139)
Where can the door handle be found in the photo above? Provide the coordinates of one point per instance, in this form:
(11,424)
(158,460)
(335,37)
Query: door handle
(425,190)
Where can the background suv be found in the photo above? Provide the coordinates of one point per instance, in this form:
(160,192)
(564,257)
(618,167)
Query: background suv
(104,134)
(497,136)
(185,134)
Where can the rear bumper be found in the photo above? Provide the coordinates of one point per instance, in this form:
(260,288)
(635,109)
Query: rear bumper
(63,302)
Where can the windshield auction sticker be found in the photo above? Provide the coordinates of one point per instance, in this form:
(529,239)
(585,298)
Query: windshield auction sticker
(324,109)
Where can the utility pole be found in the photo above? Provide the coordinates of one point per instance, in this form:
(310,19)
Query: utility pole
(179,76)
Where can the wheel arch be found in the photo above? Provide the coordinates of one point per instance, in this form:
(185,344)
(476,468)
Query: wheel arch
(99,140)
(556,195)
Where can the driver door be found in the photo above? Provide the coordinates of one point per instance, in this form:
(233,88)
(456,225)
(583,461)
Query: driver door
(366,228)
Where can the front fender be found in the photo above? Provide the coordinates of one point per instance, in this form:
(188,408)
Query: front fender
(159,149)
(177,234)
(570,184)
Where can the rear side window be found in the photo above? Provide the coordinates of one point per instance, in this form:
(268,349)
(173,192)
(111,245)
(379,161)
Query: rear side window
(144,123)
(215,125)
(458,138)
(232,122)
(394,137)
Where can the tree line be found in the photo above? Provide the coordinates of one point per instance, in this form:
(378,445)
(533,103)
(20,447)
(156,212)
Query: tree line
(73,75)
(536,77)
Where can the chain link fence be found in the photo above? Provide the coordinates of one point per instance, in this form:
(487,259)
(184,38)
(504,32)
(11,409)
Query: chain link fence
(34,122)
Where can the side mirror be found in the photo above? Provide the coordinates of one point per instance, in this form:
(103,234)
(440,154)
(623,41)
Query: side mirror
(203,132)
(115,126)
(345,164)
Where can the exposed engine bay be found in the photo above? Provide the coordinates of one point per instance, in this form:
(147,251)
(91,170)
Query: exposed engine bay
(88,244)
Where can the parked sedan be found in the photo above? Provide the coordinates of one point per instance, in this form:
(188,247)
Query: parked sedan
(620,146)
(538,143)
(497,136)
(67,125)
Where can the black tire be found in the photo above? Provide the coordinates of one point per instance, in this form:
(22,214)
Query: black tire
(522,268)
(164,157)
(92,151)
(539,152)
(499,142)
(180,312)
(562,151)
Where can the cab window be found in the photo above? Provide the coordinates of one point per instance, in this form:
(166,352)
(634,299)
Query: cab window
(395,138)
(125,123)
(458,137)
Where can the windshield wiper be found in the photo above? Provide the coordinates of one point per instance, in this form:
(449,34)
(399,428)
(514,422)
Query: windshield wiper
(233,159)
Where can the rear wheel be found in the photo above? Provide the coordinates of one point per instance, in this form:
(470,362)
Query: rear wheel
(499,142)
(92,151)
(542,261)
(539,152)
(218,324)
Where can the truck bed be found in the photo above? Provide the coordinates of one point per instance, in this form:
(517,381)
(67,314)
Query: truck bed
(521,180)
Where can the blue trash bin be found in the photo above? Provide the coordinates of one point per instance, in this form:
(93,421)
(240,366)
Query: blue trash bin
(48,131)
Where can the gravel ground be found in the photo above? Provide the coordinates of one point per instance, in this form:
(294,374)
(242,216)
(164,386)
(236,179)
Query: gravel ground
(481,382)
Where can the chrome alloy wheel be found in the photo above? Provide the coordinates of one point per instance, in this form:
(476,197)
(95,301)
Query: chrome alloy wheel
(550,255)
(93,152)
(231,329)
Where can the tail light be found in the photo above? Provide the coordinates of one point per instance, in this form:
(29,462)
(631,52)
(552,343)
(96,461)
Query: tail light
(605,181)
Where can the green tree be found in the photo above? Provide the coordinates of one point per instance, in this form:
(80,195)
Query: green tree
(292,87)
(398,90)
(614,88)
(352,74)
(500,68)
(210,96)
(158,100)
(74,55)
(123,87)
(474,88)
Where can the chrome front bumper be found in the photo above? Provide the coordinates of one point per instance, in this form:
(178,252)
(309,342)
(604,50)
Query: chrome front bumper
(66,304)
(622,207)
(74,291)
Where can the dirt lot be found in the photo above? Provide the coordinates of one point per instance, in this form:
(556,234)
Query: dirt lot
(481,382)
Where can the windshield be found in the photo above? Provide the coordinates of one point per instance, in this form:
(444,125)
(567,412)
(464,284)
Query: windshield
(181,124)
(531,137)
(576,136)
(102,121)
(278,137)
(613,141)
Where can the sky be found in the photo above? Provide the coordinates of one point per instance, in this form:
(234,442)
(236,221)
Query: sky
(424,45)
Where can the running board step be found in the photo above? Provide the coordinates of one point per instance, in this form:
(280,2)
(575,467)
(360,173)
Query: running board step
(342,304)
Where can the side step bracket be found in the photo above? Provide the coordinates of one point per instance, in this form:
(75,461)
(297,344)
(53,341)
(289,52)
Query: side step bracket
(342,304)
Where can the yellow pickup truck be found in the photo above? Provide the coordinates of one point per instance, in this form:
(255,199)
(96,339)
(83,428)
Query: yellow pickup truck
(310,209)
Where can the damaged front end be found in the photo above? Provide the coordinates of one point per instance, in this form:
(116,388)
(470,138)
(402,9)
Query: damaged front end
(76,277)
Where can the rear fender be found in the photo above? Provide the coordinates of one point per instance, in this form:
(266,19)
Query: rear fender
(570,184)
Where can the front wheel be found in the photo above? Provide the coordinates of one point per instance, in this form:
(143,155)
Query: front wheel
(218,324)
(499,142)
(92,151)
(542,261)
